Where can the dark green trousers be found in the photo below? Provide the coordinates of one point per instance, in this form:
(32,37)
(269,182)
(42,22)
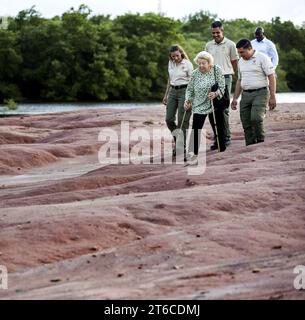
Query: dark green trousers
(226,112)
(175,105)
(252,112)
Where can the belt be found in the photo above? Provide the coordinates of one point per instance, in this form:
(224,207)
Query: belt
(227,75)
(253,90)
(179,87)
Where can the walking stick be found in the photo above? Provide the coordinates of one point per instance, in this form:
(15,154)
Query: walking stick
(178,135)
(182,120)
(181,128)
(216,130)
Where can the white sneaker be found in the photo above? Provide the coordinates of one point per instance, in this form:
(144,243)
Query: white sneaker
(192,158)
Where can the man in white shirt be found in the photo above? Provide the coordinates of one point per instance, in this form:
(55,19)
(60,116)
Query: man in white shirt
(266,46)
(255,74)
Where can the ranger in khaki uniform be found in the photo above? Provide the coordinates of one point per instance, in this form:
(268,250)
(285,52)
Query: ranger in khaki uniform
(225,55)
(255,74)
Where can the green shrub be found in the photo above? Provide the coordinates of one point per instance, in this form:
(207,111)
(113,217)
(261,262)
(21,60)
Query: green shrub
(11,104)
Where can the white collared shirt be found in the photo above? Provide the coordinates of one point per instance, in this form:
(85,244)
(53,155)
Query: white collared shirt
(180,73)
(267,47)
(254,72)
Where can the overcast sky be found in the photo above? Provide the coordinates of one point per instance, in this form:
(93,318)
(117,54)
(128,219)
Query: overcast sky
(293,10)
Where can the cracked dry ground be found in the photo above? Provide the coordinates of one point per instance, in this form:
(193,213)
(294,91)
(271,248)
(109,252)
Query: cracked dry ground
(73,229)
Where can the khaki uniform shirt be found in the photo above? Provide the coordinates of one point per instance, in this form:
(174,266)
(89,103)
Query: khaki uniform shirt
(254,72)
(180,73)
(223,53)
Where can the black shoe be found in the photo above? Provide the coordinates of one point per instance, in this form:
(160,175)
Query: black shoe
(259,141)
(174,153)
(227,142)
(214,146)
(221,148)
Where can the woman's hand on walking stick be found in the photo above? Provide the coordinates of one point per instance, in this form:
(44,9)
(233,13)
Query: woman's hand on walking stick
(187,105)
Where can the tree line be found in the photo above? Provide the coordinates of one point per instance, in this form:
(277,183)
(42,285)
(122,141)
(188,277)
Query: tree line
(80,57)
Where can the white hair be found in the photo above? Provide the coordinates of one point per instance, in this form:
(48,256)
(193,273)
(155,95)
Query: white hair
(206,56)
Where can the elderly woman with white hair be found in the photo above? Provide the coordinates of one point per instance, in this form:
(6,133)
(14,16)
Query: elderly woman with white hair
(199,97)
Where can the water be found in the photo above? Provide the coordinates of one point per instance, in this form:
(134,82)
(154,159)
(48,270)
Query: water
(290,97)
(41,108)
